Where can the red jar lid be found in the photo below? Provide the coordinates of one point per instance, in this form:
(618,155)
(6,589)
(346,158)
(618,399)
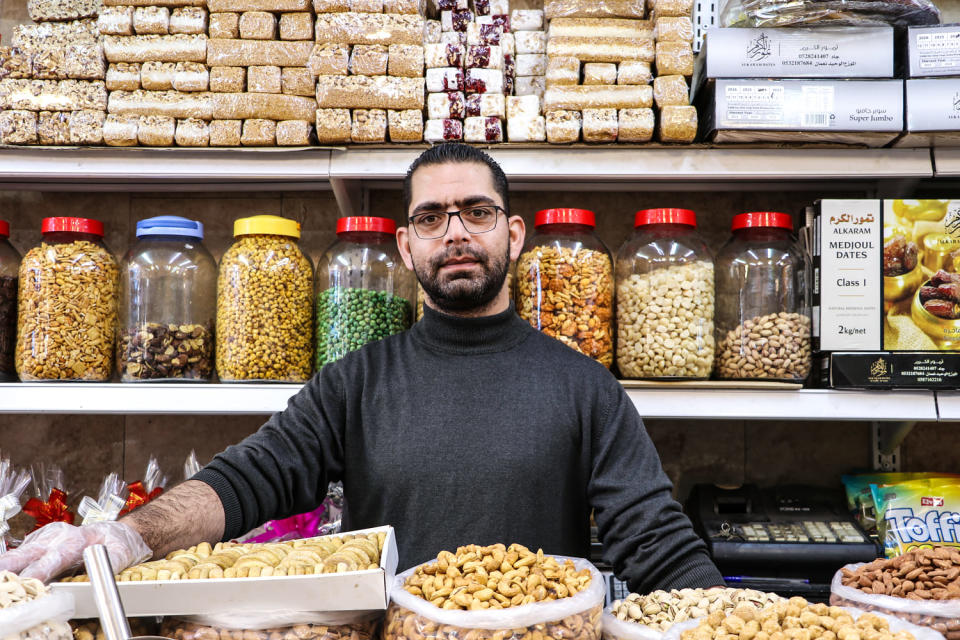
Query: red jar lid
(665,216)
(4,228)
(74,225)
(565,216)
(762,219)
(366,223)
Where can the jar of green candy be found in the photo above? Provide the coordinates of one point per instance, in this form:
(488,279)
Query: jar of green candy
(364,291)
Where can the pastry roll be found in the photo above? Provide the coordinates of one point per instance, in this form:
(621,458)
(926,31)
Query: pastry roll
(405,60)
(329,60)
(225,133)
(600,28)
(489,34)
(225,25)
(481,129)
(488,105)
(157,76)
(188,20)
(86,126)
(441,106)
(438,56)
(263,79)
(634,72)
(369,60)
(270,106)
(526,20)
(636,125)
(296,26)
(601,73)
(674,58)
(370,92)
(405,125)
(120,131)
(530,86)
(562,70)
(156,131)
(600,125)
(484,56)
(229,79)
(333,125)
(369,28)
(244,53)
(258,25)
(294,133)
(259,132)
(602,49)
(191,76)
(530,42)
(369,126)
(192,132)
(531,64)
(151,20)
(483,81)
(297,81)
(177,48)
(522,107)
(447,130)
(679,29)
(678,124)
(596,97)
(445,79)
(53,128)
(527,129)
(670,91)
(115,21)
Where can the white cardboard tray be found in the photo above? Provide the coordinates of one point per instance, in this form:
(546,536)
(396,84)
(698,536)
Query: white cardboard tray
(367,590)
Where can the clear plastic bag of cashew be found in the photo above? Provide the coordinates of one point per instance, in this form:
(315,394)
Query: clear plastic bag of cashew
(575,618)
(312,626)
(940,615)
(617,629)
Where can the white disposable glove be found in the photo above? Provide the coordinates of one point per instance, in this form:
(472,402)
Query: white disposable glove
(58,547)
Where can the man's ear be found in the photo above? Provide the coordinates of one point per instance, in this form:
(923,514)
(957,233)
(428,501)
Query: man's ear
(403,244)
(518,232)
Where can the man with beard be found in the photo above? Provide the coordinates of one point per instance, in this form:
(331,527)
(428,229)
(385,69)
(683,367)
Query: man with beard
(471,427)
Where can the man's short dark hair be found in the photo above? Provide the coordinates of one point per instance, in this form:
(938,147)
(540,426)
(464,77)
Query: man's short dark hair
(450,152)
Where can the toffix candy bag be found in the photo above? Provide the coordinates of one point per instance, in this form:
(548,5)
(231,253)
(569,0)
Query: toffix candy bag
(860,496)
(918,514)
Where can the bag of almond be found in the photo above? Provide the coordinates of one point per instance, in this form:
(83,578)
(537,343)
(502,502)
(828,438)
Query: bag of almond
(920,586)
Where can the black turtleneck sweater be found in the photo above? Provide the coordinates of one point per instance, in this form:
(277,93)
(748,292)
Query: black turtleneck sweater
(464,431)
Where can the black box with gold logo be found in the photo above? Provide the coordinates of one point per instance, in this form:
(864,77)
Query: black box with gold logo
(892,370)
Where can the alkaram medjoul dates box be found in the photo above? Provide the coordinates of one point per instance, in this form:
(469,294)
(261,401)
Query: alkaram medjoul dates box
(887,292)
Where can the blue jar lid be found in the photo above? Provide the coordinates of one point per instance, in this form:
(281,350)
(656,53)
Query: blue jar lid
(170,226)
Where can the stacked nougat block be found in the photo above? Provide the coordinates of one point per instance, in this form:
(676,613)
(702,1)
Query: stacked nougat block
(470,69)
(525,121)
(157,74)
(52,90)
(368,61)
(598,74)
(261,88)
(673,31)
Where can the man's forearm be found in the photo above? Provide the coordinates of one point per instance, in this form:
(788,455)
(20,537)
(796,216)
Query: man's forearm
(188,514)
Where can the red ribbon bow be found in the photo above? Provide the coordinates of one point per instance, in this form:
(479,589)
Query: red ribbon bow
(53,510)
(138,496)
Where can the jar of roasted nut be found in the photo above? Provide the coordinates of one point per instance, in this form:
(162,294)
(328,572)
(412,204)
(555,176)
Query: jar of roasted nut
(168,284)
(67,304)
(665,298)
(763,312)
(9,266)
(264,304)
(364,291)
(564,282)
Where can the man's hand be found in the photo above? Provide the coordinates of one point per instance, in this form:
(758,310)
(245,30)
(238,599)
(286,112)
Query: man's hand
(58,547)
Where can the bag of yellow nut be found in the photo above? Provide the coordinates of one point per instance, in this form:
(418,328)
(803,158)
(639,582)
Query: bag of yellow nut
(334,626)
(797,619)
(496,593)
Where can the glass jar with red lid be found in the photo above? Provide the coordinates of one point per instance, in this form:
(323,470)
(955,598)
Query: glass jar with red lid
(364,291)
(67,304)
(9,266)
(665,298)
(763,309)
(564,282)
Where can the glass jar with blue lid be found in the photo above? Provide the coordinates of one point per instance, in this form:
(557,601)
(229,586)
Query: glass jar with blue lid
(168,299)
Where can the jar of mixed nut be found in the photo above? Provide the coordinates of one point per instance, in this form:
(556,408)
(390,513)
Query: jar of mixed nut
(67,304)
(168,283)
(763,313)
(364,291)
(564,282)
(665,298)
(9,266)
(264,304)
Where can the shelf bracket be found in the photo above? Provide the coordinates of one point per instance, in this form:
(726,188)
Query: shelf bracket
(885,441)
(352,198)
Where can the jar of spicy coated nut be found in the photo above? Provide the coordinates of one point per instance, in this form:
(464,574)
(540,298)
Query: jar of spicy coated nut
(9,266)
(364,291)
(564,282)
(665,298)
(168,284)
(264,304)
(763,311)
(67,304)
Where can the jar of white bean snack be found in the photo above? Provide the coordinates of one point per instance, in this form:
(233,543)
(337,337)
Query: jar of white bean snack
(763,312)
(665,299)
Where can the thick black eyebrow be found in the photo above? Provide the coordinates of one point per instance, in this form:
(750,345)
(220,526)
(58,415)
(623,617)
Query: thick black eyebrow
(463,203)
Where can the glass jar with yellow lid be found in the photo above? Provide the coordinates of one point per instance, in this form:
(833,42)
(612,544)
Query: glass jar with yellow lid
(264,304)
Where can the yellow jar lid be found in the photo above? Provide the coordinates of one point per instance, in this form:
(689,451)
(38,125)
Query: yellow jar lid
(268,225)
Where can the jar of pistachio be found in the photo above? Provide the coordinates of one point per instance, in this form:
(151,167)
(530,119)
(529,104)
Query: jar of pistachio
(264,304)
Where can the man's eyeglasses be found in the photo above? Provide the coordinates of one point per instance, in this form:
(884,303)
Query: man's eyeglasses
(475,219)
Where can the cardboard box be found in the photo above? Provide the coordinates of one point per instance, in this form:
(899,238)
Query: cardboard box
(827,52)
(877,267)
(892,370)
(933,113)
(933,51)
(367,590)
(868,112)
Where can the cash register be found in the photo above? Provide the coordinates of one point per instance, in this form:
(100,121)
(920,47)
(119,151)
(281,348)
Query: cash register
(789,539)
